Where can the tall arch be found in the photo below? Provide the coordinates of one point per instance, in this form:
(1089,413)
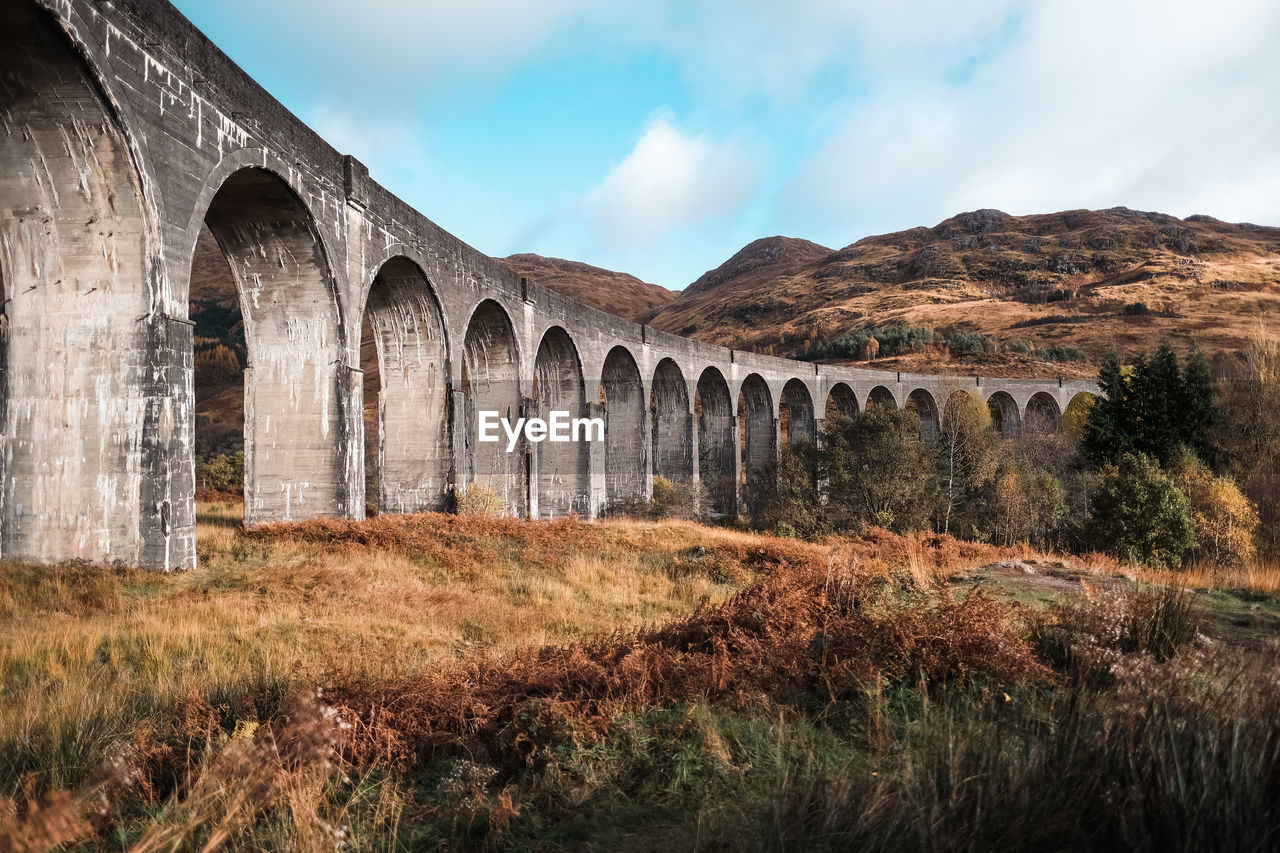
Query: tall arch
(841,403)
(796,406)
(625,462)
(715,440)
(881,396)
(672,424)
(1004,414)
(759,435)
(410,423)
(491,384)
(926,408)
(296,446)
(1042,413)
(96,371)
(563,476)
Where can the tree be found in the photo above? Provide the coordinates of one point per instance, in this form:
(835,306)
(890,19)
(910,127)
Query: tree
(790,502)
(1158,395)
(1108,431)
(1223,518)
(879,471)
(1139,515)
(1198,413)
(967,457)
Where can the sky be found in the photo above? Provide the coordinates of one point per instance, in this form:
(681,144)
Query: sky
(658,138)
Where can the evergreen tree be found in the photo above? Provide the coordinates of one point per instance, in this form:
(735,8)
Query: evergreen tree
(1158,384)
(1198,409)
(1108,432)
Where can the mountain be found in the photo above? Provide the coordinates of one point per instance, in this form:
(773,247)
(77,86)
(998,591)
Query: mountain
(1076,280)
(615,292)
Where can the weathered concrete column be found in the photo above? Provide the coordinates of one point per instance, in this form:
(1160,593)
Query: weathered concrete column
(458,467)
(597,469)
(695,473)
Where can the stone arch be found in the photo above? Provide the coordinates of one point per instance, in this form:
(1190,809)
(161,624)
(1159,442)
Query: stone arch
(625,463)
(563,483)
(795,412)
(715,440)
(841,403)
(1042,413)
(1004,414)
(404,327)
(672,423)
(96,368)
(491,383)
(758,434)
(299,439)
(926,408)
(881,396)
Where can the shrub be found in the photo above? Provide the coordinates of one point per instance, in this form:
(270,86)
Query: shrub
(789,505)
(1223,518)
(879,471)
(221,473)
(1139,515)
(1136,309)
(671,499)
(961,341)
(478,499)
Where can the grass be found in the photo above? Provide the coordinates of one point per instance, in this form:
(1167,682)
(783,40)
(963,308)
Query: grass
(495,684)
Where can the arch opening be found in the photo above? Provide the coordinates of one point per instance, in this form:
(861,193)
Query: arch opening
(1004,414)
(922,403)
(1042,413)
(841,403)
(491,383)
(795,413)
(403,357)
(758,434)
(881,396)
(625,460)
(563,478)
(672,424)
(296,431)
(714,409)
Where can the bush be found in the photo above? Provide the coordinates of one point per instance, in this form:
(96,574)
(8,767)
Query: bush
(672,499)
(790,505)
(1139,516)
(879,471)
(222,473)
(961,341)
(1223,518)
(478,499)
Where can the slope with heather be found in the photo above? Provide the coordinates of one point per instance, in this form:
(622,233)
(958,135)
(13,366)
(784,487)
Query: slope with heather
(616,292)
(1081,278)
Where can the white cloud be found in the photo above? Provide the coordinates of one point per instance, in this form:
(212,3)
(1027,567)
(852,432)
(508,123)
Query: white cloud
(1157,106)
(669,180)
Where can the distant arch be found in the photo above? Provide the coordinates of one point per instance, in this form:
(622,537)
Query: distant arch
(1042,413)
(926,408)
(410,411)
(491,383)
(563,482)
(841,403)
(758,435)
(1004,414)
(622,391)
(672,424)
(881,396)
(795,410)
(716,429)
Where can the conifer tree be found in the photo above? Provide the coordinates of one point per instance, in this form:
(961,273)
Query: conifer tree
(1108,432)
(1161,396)
(1198,411)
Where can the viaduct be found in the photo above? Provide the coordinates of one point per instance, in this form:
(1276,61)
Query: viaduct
(123,129)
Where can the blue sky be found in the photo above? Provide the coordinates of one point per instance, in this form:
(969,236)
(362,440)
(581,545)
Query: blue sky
(659,138)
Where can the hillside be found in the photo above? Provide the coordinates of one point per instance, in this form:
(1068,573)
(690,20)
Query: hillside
(1080,279)
(615,292)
